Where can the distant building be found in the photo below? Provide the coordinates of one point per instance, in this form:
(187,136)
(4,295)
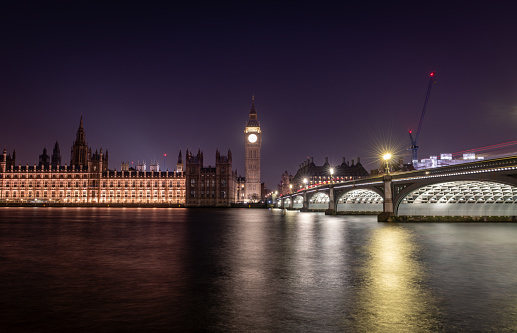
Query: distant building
(210,186)
(286,184)
(321,174)
(155,166)
(444,160)
(141,166)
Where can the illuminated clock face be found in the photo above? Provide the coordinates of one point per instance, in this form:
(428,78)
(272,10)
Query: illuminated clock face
(252,138)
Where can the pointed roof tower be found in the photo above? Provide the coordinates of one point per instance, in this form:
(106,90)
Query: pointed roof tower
(253,111)
(56,149)
(79,137)
(252,121)
(79,152)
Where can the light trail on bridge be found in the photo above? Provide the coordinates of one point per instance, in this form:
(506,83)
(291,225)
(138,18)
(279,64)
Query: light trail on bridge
(491,147)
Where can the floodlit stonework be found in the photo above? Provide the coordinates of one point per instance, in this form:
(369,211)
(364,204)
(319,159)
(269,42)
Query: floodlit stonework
(252,144)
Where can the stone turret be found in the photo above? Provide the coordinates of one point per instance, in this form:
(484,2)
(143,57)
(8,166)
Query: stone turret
(179,165)
(44,159)
(55,160)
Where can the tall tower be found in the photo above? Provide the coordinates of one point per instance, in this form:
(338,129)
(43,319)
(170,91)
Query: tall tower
(252,143)
(79,151)
(55,161)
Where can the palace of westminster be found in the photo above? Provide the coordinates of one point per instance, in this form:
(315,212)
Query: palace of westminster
(87,179)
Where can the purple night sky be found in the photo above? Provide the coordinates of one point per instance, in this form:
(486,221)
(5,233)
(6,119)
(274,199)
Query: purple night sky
(328,81)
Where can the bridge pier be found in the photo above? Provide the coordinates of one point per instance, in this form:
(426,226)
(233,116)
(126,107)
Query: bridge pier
(305,207)
(388,209)
(332,206)
(291,202)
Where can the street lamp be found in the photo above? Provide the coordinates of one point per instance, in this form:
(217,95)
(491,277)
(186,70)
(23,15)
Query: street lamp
(331,175)
(290,188)
(387,157)
(305,182)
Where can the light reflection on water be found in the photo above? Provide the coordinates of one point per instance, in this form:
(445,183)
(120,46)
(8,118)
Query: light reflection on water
(234,270)
(393,297)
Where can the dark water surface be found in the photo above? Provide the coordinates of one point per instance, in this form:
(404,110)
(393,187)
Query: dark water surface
(237,270)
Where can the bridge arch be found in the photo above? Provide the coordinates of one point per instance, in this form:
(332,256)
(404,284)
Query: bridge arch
(360,200)
(319,201)
(278,203)
(459,198)
(297,202)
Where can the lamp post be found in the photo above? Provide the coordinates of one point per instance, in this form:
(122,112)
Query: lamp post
(331,175)
(290,188)
(305,182)
(387,157)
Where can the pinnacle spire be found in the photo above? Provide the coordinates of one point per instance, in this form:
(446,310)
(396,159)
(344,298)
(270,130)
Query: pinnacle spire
(79,138)
(252,110)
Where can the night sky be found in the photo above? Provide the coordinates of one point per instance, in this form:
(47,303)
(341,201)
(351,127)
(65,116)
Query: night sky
(328,80)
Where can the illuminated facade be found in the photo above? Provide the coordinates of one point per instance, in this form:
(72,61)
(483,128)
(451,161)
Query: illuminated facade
(87,180)
(444,160)
(252,143)
(68,184)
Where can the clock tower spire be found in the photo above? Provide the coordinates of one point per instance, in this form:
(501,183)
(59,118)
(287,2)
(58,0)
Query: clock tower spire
(252,143)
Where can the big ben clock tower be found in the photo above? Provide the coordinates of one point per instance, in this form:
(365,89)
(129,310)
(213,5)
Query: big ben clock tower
(252,142)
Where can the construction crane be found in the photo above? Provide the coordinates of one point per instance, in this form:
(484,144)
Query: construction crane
(414,146)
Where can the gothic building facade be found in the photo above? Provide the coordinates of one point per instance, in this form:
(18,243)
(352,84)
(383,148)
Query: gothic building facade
(87,180)
(212,186)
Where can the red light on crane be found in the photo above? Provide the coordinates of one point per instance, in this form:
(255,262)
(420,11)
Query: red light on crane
(432,74)
(410,132)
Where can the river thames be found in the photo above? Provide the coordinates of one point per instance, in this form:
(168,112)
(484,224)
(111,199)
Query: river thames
(251,270)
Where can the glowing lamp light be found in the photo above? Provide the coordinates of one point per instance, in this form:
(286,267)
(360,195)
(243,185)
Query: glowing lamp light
(331,171)
(386,157)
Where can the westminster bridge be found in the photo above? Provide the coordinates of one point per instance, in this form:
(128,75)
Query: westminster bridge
(485,188)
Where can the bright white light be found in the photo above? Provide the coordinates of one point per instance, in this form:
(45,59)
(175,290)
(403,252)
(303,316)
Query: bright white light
(386,156)
(331,171)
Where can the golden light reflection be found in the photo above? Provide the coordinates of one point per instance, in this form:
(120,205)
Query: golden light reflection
(392,297)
